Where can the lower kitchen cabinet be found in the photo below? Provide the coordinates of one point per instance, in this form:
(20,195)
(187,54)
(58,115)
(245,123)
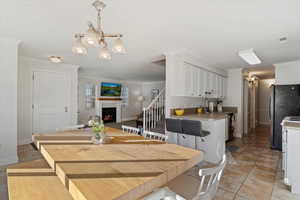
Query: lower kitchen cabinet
(187,141)
(290,157)
(172,138)
(212,145)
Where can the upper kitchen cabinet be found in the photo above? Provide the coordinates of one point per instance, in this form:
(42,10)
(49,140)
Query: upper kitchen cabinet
(193,81)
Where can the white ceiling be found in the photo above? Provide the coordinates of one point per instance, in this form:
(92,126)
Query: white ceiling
(213,30)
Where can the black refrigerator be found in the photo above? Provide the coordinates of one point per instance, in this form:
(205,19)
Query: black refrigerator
(284,101)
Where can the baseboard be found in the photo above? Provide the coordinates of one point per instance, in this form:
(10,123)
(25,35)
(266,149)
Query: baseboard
(264,123)
(25,141)
(8,160)
(128,119)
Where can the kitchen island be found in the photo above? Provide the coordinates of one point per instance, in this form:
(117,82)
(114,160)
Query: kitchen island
(213,144)
(84,171)
(290,152)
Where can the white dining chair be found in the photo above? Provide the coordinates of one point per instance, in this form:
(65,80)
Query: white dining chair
(155,136)
(205,189)
(131,130)
(71,128)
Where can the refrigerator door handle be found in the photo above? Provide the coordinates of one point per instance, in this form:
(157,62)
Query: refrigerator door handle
(270,107)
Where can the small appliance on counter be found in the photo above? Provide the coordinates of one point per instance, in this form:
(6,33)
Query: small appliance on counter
(220,106)
(211,106)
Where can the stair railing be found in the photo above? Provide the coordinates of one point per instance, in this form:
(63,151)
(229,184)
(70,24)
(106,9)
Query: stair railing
(155,112)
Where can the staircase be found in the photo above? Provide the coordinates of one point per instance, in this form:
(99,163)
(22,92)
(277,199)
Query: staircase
(154,114)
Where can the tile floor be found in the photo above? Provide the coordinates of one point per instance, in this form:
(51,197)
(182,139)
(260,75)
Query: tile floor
(253,171)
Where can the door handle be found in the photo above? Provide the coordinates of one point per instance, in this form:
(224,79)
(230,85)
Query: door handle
(66,109)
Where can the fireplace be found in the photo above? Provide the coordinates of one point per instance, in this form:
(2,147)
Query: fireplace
(109,115)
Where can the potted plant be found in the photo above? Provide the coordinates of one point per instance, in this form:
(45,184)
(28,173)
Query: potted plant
(99,131)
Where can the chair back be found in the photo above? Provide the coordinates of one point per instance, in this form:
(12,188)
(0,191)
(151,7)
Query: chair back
(174,125)
(209,181)
(155,136)
(71,128)
(130,130)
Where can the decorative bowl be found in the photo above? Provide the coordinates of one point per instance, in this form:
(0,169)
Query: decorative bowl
(179,112)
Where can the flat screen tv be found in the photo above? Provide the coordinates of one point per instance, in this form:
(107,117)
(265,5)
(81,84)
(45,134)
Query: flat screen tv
(111,89)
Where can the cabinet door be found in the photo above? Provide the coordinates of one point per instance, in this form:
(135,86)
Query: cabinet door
(224,90)
(209,86)
(195,81)
(201,83)
(213,88)
(220,87)
(187,141)
(188,89)
(172,137)
(205,82)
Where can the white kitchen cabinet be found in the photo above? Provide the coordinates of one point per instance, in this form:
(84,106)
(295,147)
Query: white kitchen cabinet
(188,82)
(219,87)
(213,145)
(172,137)
(188,141)
(201,82)
(192,81)
(224,89)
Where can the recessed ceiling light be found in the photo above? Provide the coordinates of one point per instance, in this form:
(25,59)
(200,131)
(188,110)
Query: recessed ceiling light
(55,59)
(250,57)
(283,40)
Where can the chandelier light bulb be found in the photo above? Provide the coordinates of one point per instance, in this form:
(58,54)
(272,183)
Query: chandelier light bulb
(91,37)
(79,48)
(118,46)
(104,53)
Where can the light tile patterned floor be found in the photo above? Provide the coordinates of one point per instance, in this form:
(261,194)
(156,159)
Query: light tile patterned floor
(253,173)
(256,173)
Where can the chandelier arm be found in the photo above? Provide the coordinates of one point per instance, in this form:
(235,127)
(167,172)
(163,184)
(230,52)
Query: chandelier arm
(113,35)
(99,24)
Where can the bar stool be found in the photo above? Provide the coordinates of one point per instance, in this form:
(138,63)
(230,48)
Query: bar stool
(173,126)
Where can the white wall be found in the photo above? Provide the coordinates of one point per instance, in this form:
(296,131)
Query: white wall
(173,62)
(26,68)
(147,88)
(287,73)
(129,111)
(264,93)
(235,97)
(8,100)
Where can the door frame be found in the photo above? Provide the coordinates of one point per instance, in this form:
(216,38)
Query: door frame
(70,114)
(25,69)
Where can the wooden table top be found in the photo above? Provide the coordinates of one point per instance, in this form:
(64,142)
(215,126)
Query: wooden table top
(116,171)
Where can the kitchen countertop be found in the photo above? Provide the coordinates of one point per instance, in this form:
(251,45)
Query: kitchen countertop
(291,124)
(202,116)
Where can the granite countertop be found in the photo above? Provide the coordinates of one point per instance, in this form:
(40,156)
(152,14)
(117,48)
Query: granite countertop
(291,124)
(202,116)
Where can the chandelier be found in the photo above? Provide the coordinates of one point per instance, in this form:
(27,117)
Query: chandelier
(95,37)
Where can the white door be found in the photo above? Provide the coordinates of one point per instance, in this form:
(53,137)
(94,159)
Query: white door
(51,101)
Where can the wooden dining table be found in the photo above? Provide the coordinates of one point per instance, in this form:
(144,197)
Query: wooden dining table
(127,167)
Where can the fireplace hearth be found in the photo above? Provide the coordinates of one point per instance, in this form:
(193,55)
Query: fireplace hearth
(109,115)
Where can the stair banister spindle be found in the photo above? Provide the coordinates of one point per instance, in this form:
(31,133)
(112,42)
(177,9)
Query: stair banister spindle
(154,113)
